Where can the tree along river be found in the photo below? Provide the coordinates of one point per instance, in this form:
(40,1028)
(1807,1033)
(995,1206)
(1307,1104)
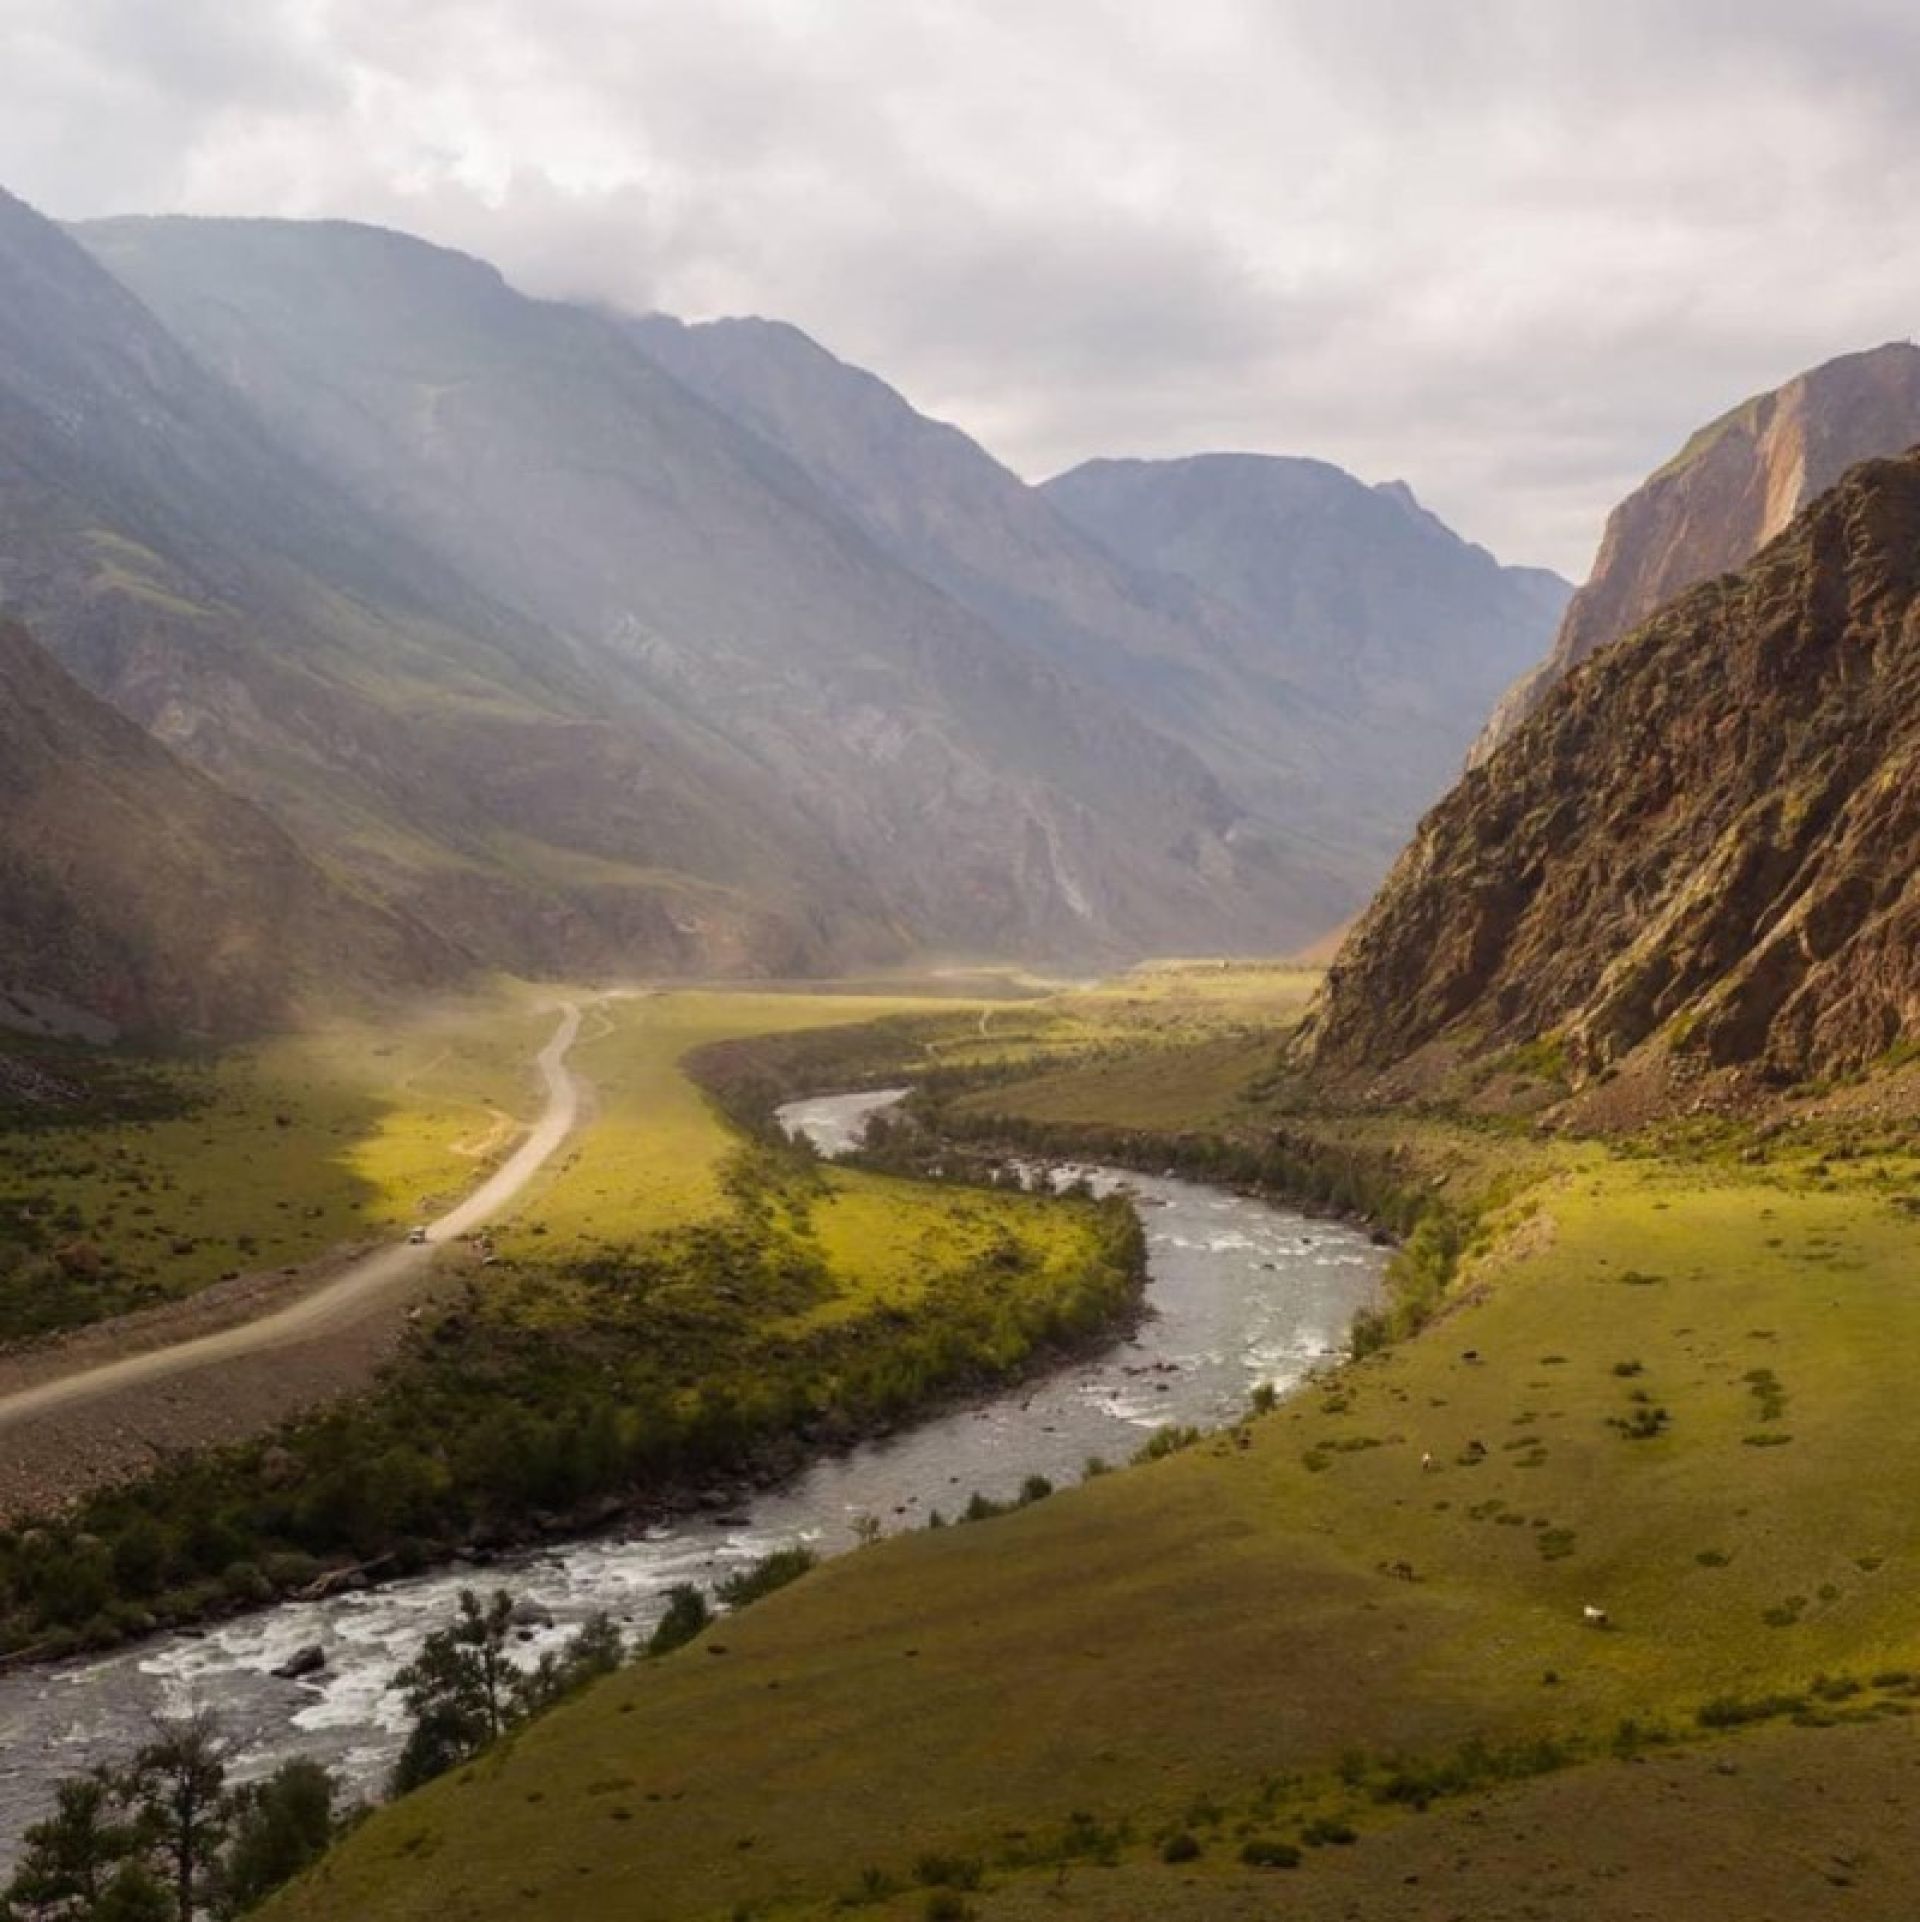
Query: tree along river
(1238,1293)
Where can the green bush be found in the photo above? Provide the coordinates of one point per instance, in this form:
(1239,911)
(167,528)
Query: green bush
(935,1871)
(1325,1831)
(686,1616)
(1267,1852)
(770,1572)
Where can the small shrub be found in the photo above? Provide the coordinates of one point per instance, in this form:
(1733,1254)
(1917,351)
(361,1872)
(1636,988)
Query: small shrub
(1268,1852)
(1183,1847)
(1167,1441)
(874,1885)
(935,1871)
(948,1905)
(1735,1711)
(770,1572)
(1326,1831)
(687,1614)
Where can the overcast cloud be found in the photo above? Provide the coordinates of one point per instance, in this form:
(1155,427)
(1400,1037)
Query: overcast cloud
(1511,250)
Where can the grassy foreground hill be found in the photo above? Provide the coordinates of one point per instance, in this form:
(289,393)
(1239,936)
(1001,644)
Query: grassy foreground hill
(1666,1377)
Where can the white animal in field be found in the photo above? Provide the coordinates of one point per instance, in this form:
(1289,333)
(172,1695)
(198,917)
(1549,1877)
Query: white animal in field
(1594,1617)
(1426,1460)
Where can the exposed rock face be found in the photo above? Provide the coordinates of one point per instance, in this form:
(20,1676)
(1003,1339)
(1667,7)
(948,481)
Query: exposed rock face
(1709,833)
(1730,490)
(139,893)
(1353,615)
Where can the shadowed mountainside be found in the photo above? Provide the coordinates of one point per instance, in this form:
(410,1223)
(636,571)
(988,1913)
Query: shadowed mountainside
(1708,834)
(1326,648)
(281,634)
(141,894)
(1357,596)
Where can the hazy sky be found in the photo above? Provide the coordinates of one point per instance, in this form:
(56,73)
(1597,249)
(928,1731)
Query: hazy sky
(1512,250)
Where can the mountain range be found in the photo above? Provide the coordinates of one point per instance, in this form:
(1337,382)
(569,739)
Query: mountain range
(587,643)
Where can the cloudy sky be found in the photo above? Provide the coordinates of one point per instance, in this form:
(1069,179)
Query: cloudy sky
(1511,250)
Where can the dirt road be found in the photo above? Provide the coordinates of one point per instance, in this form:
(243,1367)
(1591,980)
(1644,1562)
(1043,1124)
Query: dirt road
(107,1415)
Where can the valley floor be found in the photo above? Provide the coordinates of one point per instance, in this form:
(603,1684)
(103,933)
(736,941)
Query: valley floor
(1669,1378)
(662,1297)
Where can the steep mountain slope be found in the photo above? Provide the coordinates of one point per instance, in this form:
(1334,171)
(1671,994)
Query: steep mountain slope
(534,449)
(139,893)
(255,616)
(938,502)
(1730,490)
(1708,834)
(1362,599)
(1240,680)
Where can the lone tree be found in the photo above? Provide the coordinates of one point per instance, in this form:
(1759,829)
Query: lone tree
(464,1691)
(68,1861)
(459,1689)
(178,1782)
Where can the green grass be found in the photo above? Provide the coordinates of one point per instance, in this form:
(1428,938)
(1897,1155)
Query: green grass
(1230,1617)
(270,1156)
(654,1151)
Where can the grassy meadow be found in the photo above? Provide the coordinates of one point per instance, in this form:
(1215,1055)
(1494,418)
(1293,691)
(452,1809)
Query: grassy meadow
(264,1156)
(1669,1380)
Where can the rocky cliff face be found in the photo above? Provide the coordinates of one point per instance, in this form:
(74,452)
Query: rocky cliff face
(139,895)
(1707,838)
(1730,490)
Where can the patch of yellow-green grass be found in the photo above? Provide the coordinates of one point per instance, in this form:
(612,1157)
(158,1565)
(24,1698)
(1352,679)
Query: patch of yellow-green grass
(654,1150)
(284,1149)
(883,1239)
(1199,1086)
(1230,1614)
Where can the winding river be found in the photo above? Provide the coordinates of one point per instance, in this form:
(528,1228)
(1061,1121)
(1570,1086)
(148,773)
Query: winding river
(1239,1293)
